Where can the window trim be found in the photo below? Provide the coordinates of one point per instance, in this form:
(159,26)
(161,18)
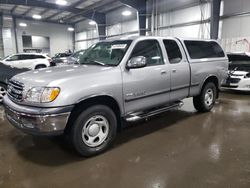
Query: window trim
(133,47)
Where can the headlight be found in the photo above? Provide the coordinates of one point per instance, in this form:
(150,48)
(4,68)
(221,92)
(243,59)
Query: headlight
(247,75)
(42,94)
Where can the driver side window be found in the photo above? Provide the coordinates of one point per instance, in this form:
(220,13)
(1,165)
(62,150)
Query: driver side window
(150,49)
(13,58)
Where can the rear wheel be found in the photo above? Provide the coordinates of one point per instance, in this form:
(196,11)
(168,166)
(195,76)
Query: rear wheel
(206,100)
(3,91)
(40,66)
(94,130)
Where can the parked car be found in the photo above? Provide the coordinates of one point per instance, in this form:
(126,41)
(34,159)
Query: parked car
(239,72)
(75,57)
(61,58)
(6,72)
(28,60)
(116,81)
(72,59)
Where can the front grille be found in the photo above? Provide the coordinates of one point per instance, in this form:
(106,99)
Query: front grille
(233,80)
(15,90)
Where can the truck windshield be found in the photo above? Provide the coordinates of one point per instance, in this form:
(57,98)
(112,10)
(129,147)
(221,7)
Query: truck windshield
(108,53)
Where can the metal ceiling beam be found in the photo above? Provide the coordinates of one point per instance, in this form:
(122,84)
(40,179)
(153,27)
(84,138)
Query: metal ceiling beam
(53,15)
(215,19)
(99,9)
(88,8)
(41,4)
(43,12)
(13,9)
(141,7)
(30,19)
(73,5)
(27,11)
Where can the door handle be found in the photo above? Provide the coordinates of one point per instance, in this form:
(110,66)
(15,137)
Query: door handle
(174,70)
(163,72)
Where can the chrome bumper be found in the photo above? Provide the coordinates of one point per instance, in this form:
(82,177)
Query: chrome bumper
(37,121)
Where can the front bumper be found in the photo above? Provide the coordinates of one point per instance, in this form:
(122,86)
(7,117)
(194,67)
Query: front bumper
(37,121)
(243,84)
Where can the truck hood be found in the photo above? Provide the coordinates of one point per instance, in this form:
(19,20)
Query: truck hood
(57,75)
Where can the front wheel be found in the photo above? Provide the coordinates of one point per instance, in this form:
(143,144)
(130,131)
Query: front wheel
(94,130)
(206,100)
(3,91)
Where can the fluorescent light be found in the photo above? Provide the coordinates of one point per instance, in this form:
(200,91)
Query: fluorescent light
(126,13)
(71,29)
(37,17)
(22,24)
(61,2)
(95,31)
(92,23)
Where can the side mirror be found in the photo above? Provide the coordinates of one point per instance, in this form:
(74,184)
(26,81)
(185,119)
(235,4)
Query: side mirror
(137,62)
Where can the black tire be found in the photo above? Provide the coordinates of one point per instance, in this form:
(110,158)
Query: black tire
(199,101)
(3,91)
(40,66)
(79,141)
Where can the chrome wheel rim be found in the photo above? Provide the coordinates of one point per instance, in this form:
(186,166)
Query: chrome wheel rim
(209,97)
(2,93)
(95,131)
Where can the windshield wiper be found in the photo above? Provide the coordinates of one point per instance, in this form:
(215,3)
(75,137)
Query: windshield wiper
(94,62)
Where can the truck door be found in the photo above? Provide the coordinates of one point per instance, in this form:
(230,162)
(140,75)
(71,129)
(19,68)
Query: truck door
(179,70)
(148,86)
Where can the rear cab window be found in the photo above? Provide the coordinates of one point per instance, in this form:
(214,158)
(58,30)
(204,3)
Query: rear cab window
(203,49)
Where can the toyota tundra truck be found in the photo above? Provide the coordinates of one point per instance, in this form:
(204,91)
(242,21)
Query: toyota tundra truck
(115,81)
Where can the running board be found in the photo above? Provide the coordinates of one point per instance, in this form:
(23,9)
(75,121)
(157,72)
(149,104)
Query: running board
(133,117)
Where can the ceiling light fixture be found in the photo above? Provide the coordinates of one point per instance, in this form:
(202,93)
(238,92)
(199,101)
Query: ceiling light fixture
(92,23)
(37,17)
(22,24)
(71,29)
(126,13)
(61,2)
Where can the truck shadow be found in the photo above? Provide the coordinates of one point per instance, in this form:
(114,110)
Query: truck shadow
(57,151)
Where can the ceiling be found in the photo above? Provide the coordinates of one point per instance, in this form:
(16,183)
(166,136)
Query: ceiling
(69,14)
(75,10)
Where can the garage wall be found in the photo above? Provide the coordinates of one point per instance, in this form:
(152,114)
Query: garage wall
(8,36)
(184,22)
(117,26)
(235,30)
(85,35)
(60,38)
(1,36)
(122,25)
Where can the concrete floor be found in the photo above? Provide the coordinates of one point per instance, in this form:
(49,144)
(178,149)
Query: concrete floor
(180,148)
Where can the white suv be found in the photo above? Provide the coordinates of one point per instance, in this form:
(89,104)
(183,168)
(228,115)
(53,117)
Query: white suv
(28,60)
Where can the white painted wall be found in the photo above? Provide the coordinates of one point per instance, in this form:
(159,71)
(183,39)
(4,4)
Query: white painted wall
(60,38)
(181,16)
(85,31)
(116,25)
(8,37)
(238,26)
(235,29)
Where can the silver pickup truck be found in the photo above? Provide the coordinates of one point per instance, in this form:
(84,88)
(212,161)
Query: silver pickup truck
(116,81)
